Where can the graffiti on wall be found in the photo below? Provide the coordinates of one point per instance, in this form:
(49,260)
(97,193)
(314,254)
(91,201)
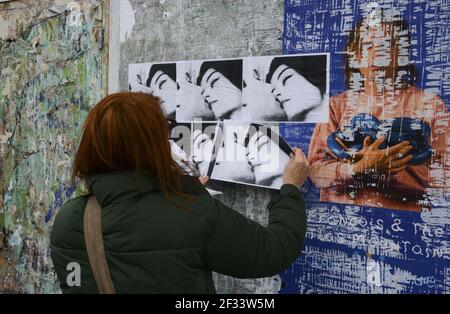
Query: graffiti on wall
(51,74)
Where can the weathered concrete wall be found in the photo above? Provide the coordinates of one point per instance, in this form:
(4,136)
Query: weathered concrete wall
(53,60)
(174,30)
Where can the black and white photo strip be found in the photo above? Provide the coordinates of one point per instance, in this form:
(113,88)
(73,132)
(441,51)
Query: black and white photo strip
(290,88)
(158,79)
(233,151)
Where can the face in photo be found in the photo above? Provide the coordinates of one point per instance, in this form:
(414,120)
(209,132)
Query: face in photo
(180,134)
(203,140)
(267,154)
(221,84)
(137,77)
(251,154)
(190,103)
(231,163)
(258,101)
(181,145)
(299,85)
(162,82)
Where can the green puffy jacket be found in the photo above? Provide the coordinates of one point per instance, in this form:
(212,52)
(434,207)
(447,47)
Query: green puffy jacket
(153,246)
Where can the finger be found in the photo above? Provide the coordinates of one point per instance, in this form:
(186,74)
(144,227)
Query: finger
(396,148)
(299,155)
(401,153)
(203,179)
(340,142)
(333,155)
(400,162)
(405,149)
(377,143)
(396,170)
(296,150)
(366,142)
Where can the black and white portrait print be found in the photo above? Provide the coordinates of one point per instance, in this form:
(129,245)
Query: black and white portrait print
(227,112)
(209,90)
(158,79)
(204,148)
(286,88)
(292,88)
(247,153)
(191,103)
(221,87)
(180,140)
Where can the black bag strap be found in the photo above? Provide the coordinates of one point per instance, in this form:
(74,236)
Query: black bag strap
(93,237)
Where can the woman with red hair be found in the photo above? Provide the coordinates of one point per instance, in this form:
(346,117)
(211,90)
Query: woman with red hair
(162,231)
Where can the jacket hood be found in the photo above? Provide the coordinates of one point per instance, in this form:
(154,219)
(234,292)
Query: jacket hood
(116,187)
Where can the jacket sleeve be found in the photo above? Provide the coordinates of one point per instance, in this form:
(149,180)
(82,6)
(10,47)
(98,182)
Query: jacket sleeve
(242,248)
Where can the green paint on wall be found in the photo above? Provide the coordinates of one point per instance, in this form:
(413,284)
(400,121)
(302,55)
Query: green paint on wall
(53,74)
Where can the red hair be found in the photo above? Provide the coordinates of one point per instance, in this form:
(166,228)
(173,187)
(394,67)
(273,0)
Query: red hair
(128,131)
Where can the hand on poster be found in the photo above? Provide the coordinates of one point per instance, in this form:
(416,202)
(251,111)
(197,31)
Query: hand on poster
(389,160)
(297,169)
(203,179)
(354,155)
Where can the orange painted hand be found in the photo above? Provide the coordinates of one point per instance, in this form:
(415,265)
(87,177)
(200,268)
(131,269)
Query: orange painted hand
(389,160)
(355,156)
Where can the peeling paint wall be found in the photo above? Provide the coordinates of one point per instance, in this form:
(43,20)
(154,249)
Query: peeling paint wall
(52,60)
(172,30)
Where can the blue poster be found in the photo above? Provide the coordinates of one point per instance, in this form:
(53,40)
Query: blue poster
(377,199)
